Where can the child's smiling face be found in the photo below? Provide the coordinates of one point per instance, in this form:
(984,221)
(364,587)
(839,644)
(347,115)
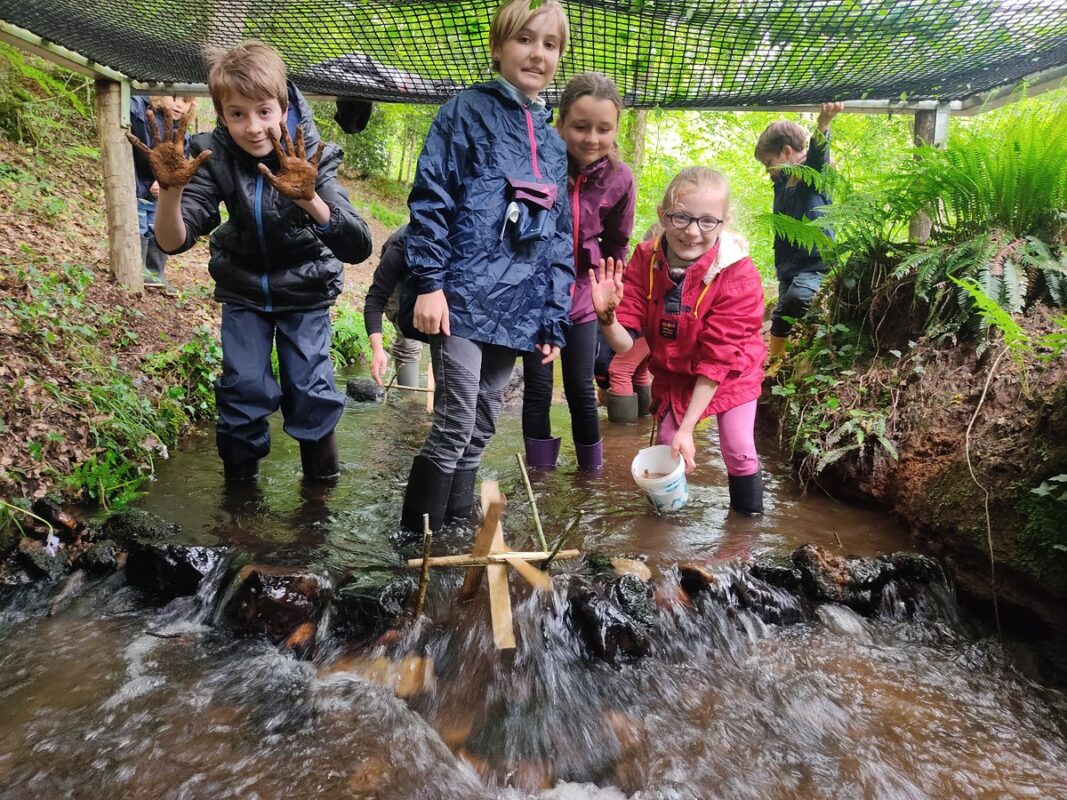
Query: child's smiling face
(705,203)
(248,121)
(176,107)
(528,60)
(589,129)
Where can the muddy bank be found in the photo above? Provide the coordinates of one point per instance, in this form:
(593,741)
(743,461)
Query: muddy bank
(1017,441)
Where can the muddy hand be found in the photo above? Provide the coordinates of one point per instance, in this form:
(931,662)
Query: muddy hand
(167,153)
(296,174)
(607,288)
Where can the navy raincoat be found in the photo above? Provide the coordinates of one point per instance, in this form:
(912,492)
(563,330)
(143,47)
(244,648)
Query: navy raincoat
(507,276)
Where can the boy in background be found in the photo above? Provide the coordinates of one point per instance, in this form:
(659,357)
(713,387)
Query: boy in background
(800,270)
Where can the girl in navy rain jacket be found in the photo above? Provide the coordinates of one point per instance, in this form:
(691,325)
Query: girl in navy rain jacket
(490,252)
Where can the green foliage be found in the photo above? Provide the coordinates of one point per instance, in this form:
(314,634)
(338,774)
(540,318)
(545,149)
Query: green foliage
(42,105)
(1041,546)
(189,373)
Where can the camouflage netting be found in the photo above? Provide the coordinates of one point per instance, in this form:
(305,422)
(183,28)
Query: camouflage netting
(672,53)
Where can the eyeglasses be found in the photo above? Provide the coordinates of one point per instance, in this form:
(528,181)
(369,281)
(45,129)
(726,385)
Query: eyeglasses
(680,221)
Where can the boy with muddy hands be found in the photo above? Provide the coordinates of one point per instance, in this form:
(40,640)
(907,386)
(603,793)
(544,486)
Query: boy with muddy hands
(277,261)
(800,270)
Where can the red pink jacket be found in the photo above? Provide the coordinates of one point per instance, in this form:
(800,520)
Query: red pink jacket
(717,332)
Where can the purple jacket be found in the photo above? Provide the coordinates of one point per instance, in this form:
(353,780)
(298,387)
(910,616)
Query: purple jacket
(602,215)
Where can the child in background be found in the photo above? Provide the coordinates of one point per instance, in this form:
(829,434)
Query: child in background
(490,252)
(383,297)
(629,381)
(168,111)
(800,270)
(697,297)
(276,261)
(602,197)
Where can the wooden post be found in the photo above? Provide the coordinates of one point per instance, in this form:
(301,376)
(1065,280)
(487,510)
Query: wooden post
(120,193)
(636,141)
(930,127)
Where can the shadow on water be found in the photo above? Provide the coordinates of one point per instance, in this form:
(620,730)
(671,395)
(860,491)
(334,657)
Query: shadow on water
(114,697)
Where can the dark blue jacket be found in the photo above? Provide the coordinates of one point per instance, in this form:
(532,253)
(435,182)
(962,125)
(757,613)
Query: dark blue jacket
(269,254)
(801,202)
(500,290)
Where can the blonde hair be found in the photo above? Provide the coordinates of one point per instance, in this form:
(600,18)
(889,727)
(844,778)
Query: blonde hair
(777,135)
(514,15)
(692,178)
(252,69)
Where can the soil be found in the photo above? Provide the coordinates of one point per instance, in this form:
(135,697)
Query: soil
(76,232)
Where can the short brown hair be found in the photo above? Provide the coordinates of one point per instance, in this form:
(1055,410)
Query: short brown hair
(514,15)
(692,178)
(777,135)
(252,69)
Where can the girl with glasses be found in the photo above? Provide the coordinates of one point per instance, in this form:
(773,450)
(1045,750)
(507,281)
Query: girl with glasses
(698,299)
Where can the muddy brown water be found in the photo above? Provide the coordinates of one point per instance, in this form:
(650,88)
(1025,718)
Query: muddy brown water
(94,703)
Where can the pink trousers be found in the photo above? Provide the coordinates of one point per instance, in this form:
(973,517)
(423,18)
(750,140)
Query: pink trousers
(737,439)
(629,369)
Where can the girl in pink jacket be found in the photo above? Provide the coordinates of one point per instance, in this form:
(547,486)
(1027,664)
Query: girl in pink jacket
(698,299)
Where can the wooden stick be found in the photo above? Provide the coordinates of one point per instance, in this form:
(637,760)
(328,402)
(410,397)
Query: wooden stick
(424,577)
(500,595)
(533,503)
(531,574)
(385,394)
(557,551)
(506,557)
(492,507)
(424,389)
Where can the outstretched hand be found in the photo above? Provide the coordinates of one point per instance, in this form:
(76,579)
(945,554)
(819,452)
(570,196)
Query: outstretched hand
(297,174)
(607,288)
(167,153)
(827,113)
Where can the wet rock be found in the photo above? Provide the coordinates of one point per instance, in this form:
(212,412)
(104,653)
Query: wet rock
(700,579)
(167,569)
(71,588)
(371,602)
(38,562)
(101,558)
(632,566)
(275,601)
(915,567)
(371,778)
(633,596)
(772,604)
(777,571)
(364,390)
(852,582)
(301,642)
(52,512)
(606,629)
(135,524)
(405,677)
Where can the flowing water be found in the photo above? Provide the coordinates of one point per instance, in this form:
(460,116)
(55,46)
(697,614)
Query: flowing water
(113,696)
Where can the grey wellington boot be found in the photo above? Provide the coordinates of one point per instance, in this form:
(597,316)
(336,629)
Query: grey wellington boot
(622,408)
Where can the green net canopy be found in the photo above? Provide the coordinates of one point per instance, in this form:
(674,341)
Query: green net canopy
(672,54)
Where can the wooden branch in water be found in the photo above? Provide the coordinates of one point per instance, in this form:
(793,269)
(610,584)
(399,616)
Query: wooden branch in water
(424,577)
(492,508)
(533,502)
(506,557)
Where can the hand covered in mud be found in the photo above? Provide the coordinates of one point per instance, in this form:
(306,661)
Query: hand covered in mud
(607,288)
(296,174)
(683,444)
(167,153)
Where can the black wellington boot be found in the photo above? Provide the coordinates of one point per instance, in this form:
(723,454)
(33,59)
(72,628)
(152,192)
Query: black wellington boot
(746,493)
(461,496)
(427,493)
(240,471)
(320,459)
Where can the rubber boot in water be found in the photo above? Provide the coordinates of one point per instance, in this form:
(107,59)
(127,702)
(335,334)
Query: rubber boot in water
(320,459)
(746,494)
(644,399)
(542,452)
(240,471)
(590,456)
(408,374)
(427,493)
(461,497)
(622,408)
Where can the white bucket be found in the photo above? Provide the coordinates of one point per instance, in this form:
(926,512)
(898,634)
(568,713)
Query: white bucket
(669,492)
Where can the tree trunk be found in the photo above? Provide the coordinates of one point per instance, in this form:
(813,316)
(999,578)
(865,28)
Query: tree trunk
(120,192)
(635,143)
(931,127)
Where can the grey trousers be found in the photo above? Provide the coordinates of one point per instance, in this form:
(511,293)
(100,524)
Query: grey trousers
(470,381)
(405,350)
(794,300)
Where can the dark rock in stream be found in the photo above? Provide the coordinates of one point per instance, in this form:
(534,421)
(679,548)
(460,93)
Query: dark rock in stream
(364,390)
(371,602)
(852,582)
(39,563)
(102,558)
(606,628)
(168,570)
(135,524)
(275,601)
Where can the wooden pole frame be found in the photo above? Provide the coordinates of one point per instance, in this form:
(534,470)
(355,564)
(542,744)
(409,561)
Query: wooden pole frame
(120,189)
